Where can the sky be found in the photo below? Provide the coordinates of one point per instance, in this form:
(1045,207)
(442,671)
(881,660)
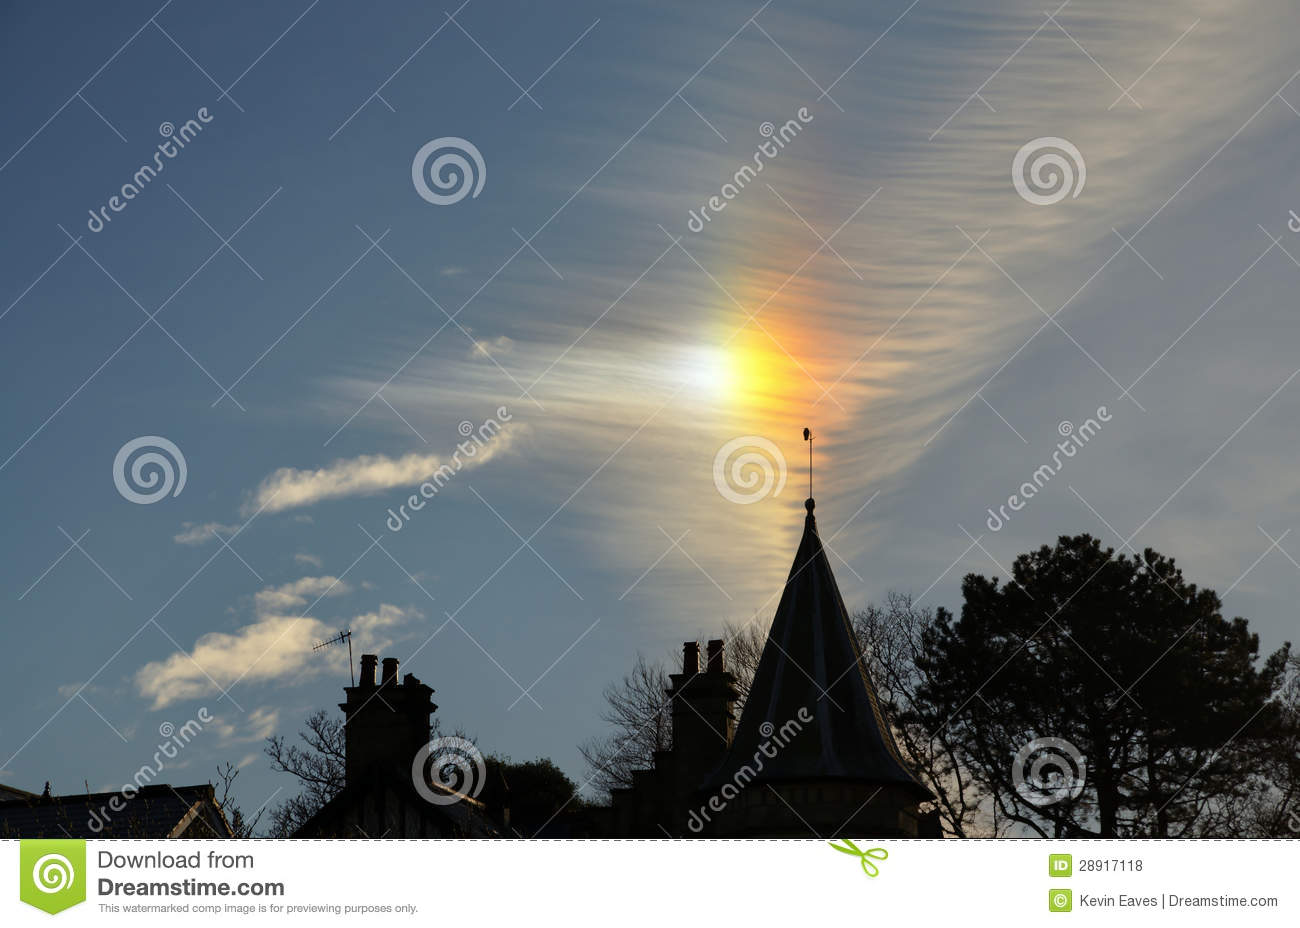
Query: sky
(312,311)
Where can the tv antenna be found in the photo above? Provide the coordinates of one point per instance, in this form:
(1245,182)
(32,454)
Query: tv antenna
(345,635)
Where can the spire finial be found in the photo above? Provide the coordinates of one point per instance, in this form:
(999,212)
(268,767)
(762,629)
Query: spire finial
(808,437)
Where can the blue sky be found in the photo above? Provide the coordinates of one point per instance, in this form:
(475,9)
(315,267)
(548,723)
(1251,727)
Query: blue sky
(880,280)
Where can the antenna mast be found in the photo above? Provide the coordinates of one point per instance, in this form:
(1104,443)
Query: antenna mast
(345,635)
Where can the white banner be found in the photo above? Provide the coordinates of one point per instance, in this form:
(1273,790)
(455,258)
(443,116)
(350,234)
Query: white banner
(652,882)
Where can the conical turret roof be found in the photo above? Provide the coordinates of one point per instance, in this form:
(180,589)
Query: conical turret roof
(811,662)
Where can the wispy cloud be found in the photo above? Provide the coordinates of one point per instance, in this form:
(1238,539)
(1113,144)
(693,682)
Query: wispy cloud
(291,487)
(256,725)
(293,595)
(200,533)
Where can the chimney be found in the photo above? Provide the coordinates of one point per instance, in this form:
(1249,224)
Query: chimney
(384,728)
(368,662)
(703,717)
(716,663)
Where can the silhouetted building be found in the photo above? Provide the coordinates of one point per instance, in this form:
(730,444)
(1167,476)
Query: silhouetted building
(812,752)
(154,811)
(386,725)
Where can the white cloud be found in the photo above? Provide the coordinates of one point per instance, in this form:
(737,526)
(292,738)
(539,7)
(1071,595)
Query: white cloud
(277,647)
(311,560)
(291,596)
(200,533)
(290,487)
(256,725)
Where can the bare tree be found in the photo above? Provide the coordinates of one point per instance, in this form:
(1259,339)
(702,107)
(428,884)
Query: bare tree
(319,768)
(890,638)
(636,708)
(1273,810)
(745,645)
(239,826)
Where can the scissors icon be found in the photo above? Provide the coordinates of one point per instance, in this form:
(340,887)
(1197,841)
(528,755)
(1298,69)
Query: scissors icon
(869,868)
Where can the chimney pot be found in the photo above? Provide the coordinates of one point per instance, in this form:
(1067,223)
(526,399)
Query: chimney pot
(368,662)
(691,657)
(716,662)
(390,671)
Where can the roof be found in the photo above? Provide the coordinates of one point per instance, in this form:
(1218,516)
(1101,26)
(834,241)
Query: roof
(811,668)
(13,792)
(156,811)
